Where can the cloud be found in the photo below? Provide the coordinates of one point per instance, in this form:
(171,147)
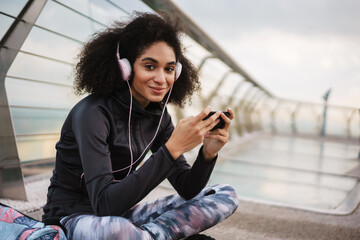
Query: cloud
(306,17)
(296,50)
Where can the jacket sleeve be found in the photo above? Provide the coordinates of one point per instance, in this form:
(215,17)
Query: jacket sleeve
(92,127)
(188,181)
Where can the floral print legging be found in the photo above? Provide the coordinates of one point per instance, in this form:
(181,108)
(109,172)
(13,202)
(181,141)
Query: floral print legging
(170,217)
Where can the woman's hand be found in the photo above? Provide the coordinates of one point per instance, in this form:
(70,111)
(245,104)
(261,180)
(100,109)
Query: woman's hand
(215,140)
(190,132)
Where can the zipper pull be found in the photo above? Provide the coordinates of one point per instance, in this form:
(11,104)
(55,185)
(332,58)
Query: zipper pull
(81,179)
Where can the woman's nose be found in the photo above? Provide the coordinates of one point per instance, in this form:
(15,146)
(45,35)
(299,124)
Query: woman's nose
(160,77)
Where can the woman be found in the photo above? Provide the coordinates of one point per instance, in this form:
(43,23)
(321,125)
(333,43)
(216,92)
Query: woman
(131,72)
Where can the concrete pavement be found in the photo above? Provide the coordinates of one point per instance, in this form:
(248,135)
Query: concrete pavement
(250,221)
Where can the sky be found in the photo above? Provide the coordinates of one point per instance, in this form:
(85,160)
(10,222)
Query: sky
(296,49)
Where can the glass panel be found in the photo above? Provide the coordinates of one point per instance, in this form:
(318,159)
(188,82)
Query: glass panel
(131,5)
(65,21)
(36,148)
(51,45)
(105,12)
(12,7)
(98,27)
(25,93)
(79,5)
(37,121)
(32,67)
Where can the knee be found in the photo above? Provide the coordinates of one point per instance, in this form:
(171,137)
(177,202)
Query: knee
(223,188)
(225,192)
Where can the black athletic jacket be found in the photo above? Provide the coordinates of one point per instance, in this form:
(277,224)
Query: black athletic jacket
(94,141)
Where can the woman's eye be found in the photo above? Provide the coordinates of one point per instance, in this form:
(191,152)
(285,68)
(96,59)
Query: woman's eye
(170,69)
(149,66)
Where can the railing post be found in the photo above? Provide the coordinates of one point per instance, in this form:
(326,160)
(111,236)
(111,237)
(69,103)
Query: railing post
(204,61)
(246,94)
(206,101)
(251,106)
(264,109)
(293,118)
(235,90)
(239,107)
(247,103)
(348,122)
(238,124)
(273,117)
(11,178)
(323,127)
(258,113)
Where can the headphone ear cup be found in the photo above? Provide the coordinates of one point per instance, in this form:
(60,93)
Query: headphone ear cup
(178,68)
(125,67)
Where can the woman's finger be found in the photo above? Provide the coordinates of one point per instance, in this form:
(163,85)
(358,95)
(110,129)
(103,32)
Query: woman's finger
(211,125)
(202,114)
(232,116)
(211,120)
(227,119)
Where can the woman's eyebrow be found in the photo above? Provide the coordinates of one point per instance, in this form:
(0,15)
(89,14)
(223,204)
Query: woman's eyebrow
(155,61)
(149,59)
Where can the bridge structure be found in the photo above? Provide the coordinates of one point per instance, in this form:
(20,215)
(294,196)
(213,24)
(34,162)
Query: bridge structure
(282,152)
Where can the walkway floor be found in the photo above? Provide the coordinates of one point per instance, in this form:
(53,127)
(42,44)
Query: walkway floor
(250,221)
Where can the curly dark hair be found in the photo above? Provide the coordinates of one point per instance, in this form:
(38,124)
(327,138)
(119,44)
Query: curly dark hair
(98,72)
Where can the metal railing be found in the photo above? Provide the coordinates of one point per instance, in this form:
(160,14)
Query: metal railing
(256,108)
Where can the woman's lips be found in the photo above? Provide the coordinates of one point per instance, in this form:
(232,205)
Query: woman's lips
(157,90)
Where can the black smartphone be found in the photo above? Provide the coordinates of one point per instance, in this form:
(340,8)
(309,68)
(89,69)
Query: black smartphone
(221,124)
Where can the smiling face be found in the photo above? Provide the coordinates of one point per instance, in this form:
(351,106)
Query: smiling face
(154,73)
